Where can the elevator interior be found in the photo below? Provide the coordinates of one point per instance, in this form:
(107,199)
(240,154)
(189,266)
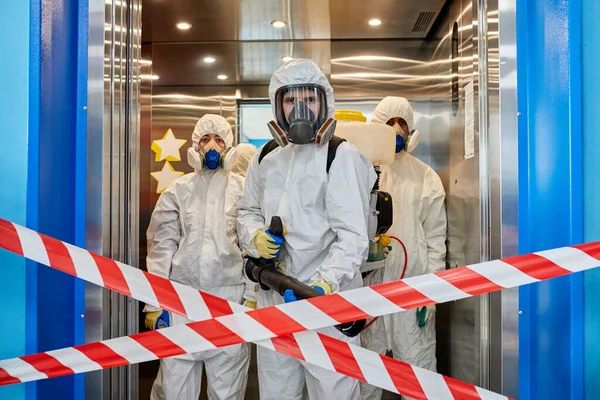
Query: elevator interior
(426,50)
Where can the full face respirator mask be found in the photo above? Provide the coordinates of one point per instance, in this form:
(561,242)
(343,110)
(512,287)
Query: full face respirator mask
(301,116)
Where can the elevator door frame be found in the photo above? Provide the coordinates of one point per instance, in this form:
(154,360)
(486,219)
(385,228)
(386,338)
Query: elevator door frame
(112,178)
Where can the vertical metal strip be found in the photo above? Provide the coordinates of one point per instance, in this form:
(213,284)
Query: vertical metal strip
(97,182)
(484,181)
(509,344)
(132,171)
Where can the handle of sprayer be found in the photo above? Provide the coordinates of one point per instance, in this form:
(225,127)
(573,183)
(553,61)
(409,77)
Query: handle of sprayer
(276,227)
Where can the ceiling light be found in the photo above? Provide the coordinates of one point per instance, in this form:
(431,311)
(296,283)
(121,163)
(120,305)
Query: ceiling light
(222,77)
(375,22)
(149,77)
(209,60)
(287,58)
(184,25)
(278,23)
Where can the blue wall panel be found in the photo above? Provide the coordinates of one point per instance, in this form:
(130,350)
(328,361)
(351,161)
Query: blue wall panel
(33,182)
(14,105)
(42,172)
(550,193)
(591,190)
(58,189)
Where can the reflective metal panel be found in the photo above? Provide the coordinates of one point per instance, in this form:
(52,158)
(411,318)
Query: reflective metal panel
(258,60)
(380,68)
(216,20)
(147,371)
(181,64)
(400,19)
(94,388)
(230,20)
(113,185)
(459,323)
(307,19)
(506,73)
(484,181)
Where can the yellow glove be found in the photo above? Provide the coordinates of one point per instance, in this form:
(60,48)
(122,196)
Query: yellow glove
(250,304)
(157,319)
(268,245)
(384,240)
(322,287)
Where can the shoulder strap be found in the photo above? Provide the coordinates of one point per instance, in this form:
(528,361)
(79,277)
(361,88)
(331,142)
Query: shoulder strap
(269,147)
(334,143)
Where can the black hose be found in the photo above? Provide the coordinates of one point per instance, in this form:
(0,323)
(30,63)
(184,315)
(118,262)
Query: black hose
(270,278)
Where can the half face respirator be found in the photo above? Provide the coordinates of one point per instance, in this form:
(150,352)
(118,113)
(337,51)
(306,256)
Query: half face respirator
(410,143)
(210,159)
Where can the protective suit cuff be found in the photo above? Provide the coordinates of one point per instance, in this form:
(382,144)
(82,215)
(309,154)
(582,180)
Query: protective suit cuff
(151,308)
(252,251)
(318,279)
(250,295)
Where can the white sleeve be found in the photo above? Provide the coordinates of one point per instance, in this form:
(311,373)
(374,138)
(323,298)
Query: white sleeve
(433,218)
(250,288)
(351,179)
(163,237)
(250,217)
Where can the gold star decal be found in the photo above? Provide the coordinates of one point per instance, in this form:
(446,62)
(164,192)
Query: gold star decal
(165,177)
(168,147)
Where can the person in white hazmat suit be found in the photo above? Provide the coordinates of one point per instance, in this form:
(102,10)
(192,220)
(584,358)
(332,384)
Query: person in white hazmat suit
(324,215)
(420,223)
(192,240)
(241,158)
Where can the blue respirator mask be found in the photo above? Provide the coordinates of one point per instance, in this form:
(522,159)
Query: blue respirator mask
(211,159)
(411,142)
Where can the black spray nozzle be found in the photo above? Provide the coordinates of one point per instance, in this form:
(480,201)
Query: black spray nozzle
(276,227)
(259,271)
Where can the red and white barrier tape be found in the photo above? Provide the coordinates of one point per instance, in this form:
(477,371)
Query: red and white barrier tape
(311,347)
(331,310)
(331,353)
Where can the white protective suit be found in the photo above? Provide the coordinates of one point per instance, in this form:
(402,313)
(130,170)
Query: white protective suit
(192,240)
(326,238)
(242,155)
(420,222)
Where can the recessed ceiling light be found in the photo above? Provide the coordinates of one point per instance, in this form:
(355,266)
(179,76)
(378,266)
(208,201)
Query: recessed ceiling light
(209,60)
(278,23)
(287,58)
(184,25)
(149,77)
(375,22)
(222,77)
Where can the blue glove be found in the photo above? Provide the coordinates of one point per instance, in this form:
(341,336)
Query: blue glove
(157,320)
(289,296)
(277,240)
